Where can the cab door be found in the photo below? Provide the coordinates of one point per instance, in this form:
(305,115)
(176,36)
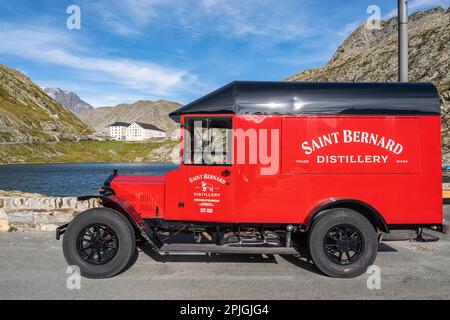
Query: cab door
(206,186)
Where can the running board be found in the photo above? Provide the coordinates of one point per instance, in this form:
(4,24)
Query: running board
(213,248)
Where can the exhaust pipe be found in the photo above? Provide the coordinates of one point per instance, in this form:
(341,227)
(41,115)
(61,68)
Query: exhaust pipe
(402,40)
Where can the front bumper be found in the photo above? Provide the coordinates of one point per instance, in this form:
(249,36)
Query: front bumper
(61,230)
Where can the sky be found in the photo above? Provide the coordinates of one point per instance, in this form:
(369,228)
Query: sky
(178,50)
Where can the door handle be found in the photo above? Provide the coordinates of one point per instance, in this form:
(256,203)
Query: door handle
(226,173)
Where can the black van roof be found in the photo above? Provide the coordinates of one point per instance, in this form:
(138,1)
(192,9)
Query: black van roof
(323,98)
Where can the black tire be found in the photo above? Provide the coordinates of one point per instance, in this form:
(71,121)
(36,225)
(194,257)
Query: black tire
(124,243)
(331,254)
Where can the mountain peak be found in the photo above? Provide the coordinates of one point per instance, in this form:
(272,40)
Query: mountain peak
(28,114)
(152,112)
(68,99)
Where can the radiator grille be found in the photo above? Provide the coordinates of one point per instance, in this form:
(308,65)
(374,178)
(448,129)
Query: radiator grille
(147,203)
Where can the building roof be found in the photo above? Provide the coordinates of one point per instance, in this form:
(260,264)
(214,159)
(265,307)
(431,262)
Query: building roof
(148,126)
(326,98)
(141,124)
(120,124)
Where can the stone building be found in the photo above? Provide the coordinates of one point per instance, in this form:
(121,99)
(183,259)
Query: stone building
(137,131)
(117,130)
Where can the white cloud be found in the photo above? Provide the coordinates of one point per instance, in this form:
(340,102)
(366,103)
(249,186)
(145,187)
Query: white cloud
(284,21)
(141,10)
(97,96)
(119,26)
(232,18)
(314,58)
(115,99)
(59,48)
(348,29)
(267,21)
(128,17)
(417,5)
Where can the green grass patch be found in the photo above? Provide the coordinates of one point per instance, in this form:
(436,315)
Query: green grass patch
(84,151)
(6,136)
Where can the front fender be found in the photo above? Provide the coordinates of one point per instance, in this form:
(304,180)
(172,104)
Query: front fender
(120,205)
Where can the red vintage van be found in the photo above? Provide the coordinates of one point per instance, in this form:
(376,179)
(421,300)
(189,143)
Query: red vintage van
(269,167)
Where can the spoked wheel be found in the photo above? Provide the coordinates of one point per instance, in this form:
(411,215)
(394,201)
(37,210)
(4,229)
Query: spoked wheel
(100,241)
(97,244)
(342,243)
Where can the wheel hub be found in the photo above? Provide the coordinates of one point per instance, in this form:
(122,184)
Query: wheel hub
(97,244)
(343,244)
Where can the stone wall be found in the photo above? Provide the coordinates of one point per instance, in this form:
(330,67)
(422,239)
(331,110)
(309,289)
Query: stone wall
(21,211)
(39,213)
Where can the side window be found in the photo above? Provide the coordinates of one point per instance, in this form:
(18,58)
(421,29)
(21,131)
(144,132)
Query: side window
(208,141)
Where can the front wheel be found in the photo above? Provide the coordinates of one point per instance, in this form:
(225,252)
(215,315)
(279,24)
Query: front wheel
(342,243)
(100,241)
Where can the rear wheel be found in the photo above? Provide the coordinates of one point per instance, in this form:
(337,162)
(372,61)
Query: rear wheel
(101,242)
(342,243)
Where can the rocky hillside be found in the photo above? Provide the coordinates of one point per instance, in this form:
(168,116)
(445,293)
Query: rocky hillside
(68,99)
(152,112)
(28,114)
(371,55)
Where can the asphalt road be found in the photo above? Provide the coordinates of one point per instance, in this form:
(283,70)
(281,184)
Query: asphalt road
(32,266)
